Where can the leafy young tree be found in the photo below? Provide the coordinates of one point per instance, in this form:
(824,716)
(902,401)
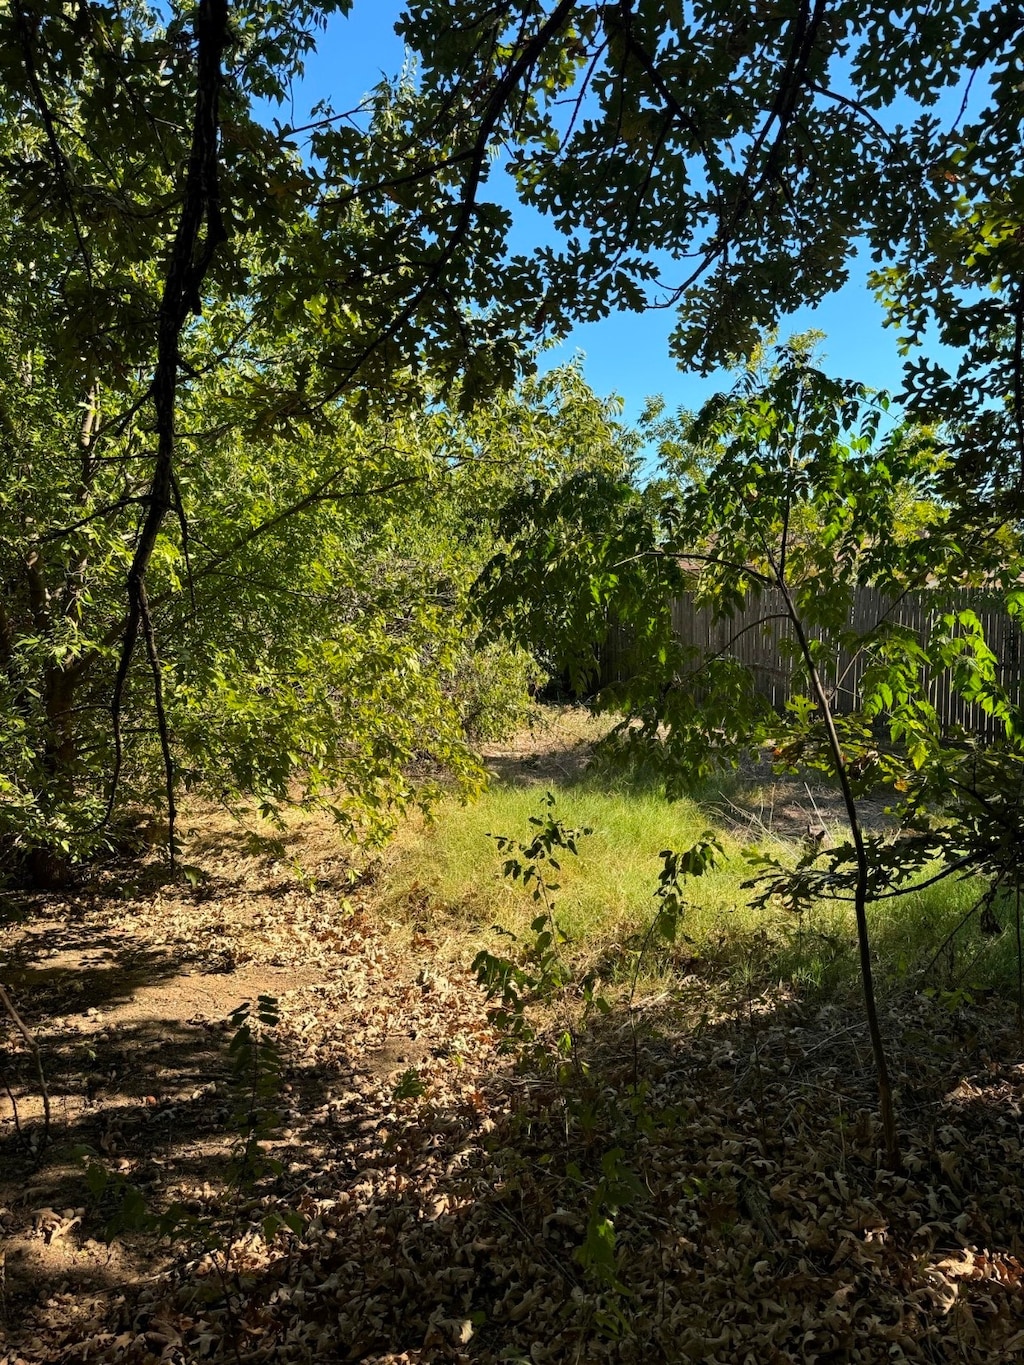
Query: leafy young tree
(795,498)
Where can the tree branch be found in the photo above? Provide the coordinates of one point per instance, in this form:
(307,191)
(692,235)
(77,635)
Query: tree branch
(191,255)
(477,156)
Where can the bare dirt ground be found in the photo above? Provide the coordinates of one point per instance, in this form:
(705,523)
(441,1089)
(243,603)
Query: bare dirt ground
(129,989)
(716,1150)
(558,747)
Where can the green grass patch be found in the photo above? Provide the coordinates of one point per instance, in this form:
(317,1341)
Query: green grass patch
(608,888)
(450,871)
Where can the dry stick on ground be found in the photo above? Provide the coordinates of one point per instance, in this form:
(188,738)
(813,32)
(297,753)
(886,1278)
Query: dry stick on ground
(33,1047)
(14,1103)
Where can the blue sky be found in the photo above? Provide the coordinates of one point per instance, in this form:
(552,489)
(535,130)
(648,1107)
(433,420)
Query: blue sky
(627,353)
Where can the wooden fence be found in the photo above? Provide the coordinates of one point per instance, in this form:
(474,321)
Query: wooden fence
(759,648)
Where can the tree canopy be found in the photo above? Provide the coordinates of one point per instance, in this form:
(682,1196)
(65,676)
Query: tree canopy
(731,159)
(210,358)
(216,319)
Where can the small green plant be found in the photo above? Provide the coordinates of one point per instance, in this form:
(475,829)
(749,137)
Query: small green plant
(541,972)
(617,1186)
(128,1210)
(409,1086)
(256,1085)
(676,868)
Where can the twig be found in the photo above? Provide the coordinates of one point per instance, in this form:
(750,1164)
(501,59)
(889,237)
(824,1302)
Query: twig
(161,720)
(33,1047)
(1020,973)
(986,898)
(827,1042)
(814,804)
(14,1103)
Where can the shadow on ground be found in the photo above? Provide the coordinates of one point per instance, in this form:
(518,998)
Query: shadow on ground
(698,1178)
(695,1178)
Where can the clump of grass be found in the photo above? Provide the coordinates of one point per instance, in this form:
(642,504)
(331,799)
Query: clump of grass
(608,886)
(451,871)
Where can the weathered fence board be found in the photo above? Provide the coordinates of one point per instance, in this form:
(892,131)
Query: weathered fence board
(758,647)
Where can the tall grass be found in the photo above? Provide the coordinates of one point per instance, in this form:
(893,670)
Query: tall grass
(607,888)
(450,872)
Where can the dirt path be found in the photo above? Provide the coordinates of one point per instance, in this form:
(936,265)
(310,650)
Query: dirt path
(129,992)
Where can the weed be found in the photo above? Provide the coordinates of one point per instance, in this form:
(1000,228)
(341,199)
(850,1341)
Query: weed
(540,971)
(256,1064)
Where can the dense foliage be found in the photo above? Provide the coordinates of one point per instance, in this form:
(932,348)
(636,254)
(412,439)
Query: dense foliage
(228,339)
(731,158)
(238,517)
(315,638)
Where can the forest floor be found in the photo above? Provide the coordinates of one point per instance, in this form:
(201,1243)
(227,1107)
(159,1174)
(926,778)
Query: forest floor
(693,1176)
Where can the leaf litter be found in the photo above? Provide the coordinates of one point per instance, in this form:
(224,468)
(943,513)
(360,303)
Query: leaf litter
(695,1178)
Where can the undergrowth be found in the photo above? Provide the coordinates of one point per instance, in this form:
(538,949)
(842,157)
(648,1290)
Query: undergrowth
(450,874)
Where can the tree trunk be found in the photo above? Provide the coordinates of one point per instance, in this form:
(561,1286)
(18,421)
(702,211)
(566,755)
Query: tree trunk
(885,1101)
(49,866)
